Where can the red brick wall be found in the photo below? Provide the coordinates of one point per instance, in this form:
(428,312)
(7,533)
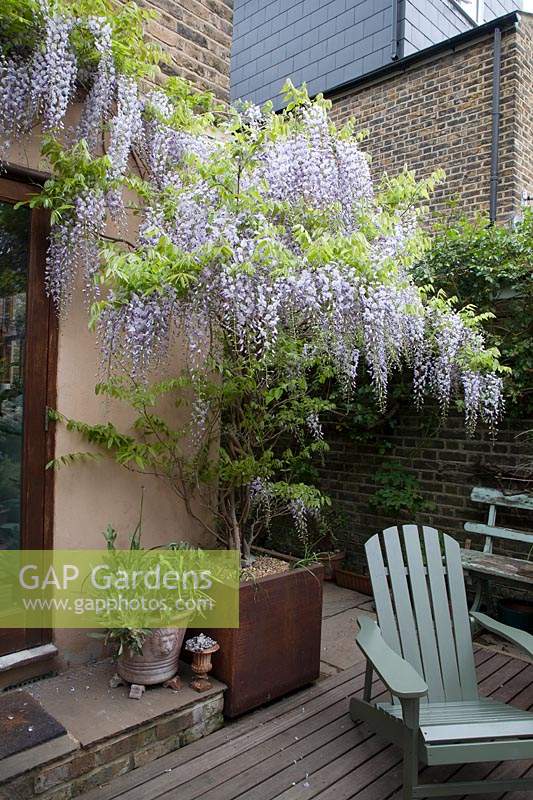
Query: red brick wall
(524,107)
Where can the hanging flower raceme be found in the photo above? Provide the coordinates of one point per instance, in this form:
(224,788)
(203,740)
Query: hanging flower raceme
(15,106)
(140,330)
(126,125)
(53,71)
(97,106)
(74,242)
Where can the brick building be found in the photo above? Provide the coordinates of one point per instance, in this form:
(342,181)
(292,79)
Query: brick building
(447,92)
(434,109)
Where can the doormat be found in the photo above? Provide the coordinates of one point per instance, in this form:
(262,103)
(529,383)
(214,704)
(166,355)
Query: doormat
(24,723)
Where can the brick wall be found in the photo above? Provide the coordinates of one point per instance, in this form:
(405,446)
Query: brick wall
(437,113)
(197,35)
(447,465)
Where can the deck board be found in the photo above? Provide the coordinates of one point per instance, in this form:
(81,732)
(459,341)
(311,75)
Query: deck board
(306,747)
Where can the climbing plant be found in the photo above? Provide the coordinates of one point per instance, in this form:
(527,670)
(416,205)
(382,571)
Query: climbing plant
(262,245)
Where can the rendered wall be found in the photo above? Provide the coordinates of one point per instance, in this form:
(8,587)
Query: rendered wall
(87,497)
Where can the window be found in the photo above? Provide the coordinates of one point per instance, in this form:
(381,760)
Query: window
(473,9)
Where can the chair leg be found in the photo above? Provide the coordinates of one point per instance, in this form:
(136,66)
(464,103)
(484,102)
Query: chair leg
(410,764)
(410,713)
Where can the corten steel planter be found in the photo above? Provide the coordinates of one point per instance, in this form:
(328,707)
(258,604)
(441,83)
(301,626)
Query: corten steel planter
(276,648)
(353,580)
(159,659)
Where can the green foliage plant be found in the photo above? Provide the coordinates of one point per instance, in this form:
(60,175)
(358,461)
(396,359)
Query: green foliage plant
(399,491)
(490,267)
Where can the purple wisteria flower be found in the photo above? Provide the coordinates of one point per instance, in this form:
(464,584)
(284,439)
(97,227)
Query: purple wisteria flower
(53,71)
(97,105)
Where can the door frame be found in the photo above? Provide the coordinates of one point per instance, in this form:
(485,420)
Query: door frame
(40,372)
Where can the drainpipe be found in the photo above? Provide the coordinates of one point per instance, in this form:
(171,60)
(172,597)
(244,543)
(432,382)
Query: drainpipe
(394,41)
(495,140)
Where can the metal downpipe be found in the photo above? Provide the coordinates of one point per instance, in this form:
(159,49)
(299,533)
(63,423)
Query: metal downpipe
(495,138)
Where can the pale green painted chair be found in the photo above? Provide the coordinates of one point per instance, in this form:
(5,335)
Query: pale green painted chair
(423,653)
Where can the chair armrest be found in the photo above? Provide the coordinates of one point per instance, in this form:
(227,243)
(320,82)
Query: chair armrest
(514,635)
(400,678)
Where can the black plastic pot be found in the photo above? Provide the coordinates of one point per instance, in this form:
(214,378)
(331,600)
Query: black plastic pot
(517,613)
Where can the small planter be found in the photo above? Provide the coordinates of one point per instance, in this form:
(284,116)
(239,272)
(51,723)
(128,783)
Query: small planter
(158,661)
(276,647)
(353,580)
(201,666)
(516,613)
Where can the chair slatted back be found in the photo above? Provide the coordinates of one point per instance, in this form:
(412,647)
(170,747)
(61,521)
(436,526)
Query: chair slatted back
(421,606)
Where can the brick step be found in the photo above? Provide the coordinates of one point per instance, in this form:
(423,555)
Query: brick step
(107,733)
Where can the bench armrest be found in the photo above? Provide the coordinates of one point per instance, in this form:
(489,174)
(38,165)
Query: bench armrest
(514,635)
(400,678)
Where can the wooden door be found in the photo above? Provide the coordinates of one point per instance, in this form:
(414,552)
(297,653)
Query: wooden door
(27,386)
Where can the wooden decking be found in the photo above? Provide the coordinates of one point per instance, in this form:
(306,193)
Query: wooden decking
(306,746)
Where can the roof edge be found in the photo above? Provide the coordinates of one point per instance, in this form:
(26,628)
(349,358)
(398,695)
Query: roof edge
(448,45)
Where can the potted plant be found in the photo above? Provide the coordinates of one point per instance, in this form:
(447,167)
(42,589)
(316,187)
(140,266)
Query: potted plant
(202,648)
(144,656)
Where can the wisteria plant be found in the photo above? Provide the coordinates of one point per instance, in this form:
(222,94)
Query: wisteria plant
(263,245)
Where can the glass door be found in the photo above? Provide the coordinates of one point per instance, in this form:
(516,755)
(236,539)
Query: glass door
(14,251)
(27,339)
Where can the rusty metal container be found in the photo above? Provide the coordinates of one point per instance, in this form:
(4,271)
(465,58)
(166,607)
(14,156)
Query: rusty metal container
(276,647)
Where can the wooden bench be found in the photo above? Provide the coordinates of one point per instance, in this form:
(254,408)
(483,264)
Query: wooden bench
(483,565)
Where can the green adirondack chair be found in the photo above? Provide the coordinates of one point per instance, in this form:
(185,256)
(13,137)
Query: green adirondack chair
(422,651)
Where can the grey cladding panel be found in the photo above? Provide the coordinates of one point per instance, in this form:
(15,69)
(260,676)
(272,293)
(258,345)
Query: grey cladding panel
(329,42)
(321,42)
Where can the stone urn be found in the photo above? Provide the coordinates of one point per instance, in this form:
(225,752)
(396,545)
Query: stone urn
(158,661)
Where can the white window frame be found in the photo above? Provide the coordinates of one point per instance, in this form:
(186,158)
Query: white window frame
(474,11)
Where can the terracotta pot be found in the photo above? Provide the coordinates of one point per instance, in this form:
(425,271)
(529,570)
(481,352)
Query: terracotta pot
(276,647)
(158,661)
(353,580)
(201,666)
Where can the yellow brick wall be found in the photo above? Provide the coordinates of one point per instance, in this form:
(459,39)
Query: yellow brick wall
(437,114)
(197,35)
